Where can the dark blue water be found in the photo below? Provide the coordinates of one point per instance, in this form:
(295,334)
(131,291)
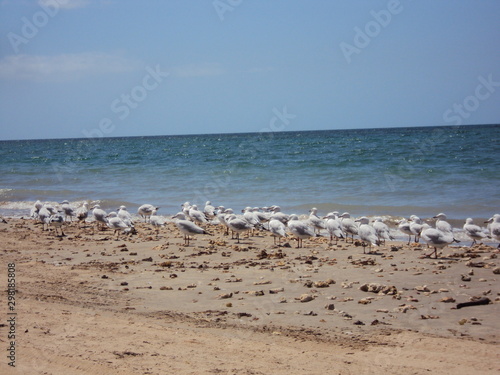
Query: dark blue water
(397,172)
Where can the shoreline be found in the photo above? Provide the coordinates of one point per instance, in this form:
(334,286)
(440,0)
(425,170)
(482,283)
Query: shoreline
(21,209)
(215,295)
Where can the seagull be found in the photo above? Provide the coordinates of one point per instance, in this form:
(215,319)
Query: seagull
(367,233)
(146,210)
(442,224)
(125,215)
(82,212)
(238,225)
(250,216)
(263,217)
(196,215)
(68,210)
(57,221)
(404,226)
(348,225)
(221,216)
(475,232)
(44,216)
(209,210)
(436,238)
(36,209)
(157,222)
(278,215)
(38,205)
(185,209)
(99,215)
(277,229)
(416,226)
(300,229)
(116,223)
(494,226)
(187,227)
(50,208)
(382,230)
(316,221)
(333,226)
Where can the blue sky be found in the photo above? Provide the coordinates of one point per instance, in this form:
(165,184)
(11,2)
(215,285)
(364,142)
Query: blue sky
(77,68)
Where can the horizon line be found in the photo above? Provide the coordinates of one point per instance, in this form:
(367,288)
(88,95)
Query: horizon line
(248,133)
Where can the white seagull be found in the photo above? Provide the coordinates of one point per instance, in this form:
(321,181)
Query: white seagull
(209,210)
(278,215)
(278,230)
(44,216)
(237,225)
(348,225)
(146,210)
(436,238)
(82,212)
(196,215)
(475,232)
(114,222)
(157,222)
(300,229)
(494,226)
(316,221)
(333,226)
(125,215)
(99,215)
(57,221)
(68,210)
(367,233)
(404,227)
(416,226)
(442,224)
(188,228)
(36,209)
(382,230)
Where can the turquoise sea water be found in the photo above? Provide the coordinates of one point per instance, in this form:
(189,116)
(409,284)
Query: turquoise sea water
(395,172)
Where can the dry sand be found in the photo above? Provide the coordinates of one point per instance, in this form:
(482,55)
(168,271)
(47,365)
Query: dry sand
(87,303)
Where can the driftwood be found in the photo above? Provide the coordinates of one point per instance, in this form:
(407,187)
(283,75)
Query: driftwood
(481,301)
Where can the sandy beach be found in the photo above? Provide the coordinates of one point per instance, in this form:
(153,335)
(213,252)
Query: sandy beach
(147,304)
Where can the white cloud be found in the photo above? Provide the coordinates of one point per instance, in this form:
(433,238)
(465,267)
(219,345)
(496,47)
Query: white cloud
(64,67)
(64,4)
(198,70)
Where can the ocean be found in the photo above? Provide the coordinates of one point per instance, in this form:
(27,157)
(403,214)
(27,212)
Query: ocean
(372,172)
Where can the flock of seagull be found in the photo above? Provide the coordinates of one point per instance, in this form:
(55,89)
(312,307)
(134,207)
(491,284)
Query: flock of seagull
(192,221)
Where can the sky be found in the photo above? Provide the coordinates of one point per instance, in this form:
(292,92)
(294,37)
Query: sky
(109,68)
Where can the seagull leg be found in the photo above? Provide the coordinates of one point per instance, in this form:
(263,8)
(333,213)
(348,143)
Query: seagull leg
(430,254)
